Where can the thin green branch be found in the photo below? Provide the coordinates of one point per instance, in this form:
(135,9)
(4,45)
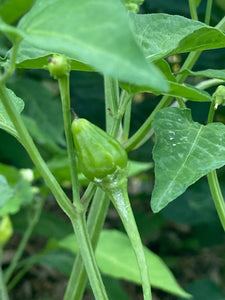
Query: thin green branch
(217,196)
(64,86)
(11,63)
(221,24)
(88,257)
(193,9)
(32,222)
(208,11)
(96,218)
(213,180)
(34,154)
(144,132)
(111,88)
(135,140)
(126,120)
(3,290)
(208,83)
(88,194)
(124,100)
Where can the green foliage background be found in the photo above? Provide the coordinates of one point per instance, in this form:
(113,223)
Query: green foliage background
(186,234)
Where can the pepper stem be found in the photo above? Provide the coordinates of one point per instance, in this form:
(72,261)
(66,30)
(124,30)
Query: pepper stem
(116,189)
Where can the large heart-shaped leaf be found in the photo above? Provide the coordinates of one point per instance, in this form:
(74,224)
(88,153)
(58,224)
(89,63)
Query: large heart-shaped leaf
(184,152)
(97,33)
(161,35)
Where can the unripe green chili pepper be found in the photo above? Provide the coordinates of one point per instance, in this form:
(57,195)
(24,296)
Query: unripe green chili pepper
(99,154)
(102,159)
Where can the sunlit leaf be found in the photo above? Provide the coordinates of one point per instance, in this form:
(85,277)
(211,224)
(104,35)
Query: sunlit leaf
(161,35)
(96,33)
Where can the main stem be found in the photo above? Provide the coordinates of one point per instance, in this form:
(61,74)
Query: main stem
(96,218)
(33,221)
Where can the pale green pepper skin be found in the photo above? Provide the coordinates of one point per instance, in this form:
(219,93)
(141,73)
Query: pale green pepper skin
(99,154)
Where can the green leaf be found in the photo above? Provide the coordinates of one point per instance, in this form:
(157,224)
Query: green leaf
(210,73)
(190,205)
(176,90)
(205,289)
(45,125)
(116,258)
(184,152)
(58,259)
(96,33)
(23,194)
(5,122)
(12,10)
(5,190)
(115,289)
(161,35)
(30,57)
(136,167)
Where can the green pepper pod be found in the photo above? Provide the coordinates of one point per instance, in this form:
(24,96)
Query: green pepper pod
(99,154)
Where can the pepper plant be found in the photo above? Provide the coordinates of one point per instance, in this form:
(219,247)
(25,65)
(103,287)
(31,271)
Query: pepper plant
(130,50)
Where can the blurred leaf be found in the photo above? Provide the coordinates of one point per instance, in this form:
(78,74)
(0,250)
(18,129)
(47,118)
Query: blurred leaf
(161,35)
(80,38)
(184,152)
(59,259)
(23,194)
(205,289)
(41,137)
(116,258)
(221,4)
(12,10)
(188,208)
(49,225)
(136,167)
(115,289)
(6,191)
(211,73)
(5,122)
(43,113)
